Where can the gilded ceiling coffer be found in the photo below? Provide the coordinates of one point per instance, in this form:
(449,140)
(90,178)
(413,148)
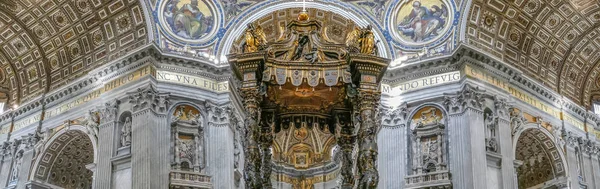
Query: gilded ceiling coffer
(305,94)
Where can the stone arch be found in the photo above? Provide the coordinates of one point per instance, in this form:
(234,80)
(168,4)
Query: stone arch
(67,159)
(234,32)
(539,157)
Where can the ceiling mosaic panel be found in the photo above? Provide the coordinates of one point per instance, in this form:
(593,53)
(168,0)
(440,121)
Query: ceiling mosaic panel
(45,44)
(555,42)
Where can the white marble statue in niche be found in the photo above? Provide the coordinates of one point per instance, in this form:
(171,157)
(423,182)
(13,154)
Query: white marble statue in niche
(126,132)
(491,122)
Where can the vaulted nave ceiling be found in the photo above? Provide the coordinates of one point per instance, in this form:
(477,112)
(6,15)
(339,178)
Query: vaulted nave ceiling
(556,42)
(45,44)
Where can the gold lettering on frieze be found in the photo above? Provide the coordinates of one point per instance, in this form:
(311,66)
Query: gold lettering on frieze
(5,129)
(108,86)
(421,83)
(194,81)
(22,123)
(533,101)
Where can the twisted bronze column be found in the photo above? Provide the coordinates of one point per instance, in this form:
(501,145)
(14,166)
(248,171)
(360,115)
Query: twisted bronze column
(252,162)
(368,101)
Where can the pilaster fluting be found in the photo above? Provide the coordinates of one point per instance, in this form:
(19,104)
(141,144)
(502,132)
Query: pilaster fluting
(108,114)
(468,161)
(506,149)
(150,139)
(368,102)
(253,162)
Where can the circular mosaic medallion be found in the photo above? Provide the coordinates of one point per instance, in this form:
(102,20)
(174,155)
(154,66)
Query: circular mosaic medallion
(419,22)
(188,20)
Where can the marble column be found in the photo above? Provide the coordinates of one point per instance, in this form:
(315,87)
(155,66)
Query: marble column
(150,142)
(505,142)
(393,145)
(105,145)
(368,102)
(252,163)
(468,161)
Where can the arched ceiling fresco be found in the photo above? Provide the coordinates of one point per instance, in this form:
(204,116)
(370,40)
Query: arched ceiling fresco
(45,44)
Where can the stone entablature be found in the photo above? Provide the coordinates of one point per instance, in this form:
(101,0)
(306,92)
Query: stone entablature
(480,67)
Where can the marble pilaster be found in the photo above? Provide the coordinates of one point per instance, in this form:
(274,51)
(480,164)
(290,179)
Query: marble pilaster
(392,141)
(105,145)
(219,139)
(505,142)
(468,162)
(150,143)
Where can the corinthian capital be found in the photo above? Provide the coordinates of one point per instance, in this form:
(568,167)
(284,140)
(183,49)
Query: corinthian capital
(108,112)
(149,97)
(468,97)
(502,107)
(396,117)
(218,114)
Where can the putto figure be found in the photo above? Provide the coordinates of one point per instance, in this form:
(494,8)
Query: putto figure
(424,23)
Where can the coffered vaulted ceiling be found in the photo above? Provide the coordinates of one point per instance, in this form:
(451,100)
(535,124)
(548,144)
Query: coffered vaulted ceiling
(556,42)
(44,44)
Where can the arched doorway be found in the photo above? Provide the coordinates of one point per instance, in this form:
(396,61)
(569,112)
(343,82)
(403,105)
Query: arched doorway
(65,160)
(540,159)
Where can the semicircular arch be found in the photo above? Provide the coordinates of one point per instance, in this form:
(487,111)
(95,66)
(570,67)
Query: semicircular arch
(542,160)
(253,15)
(65,157)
